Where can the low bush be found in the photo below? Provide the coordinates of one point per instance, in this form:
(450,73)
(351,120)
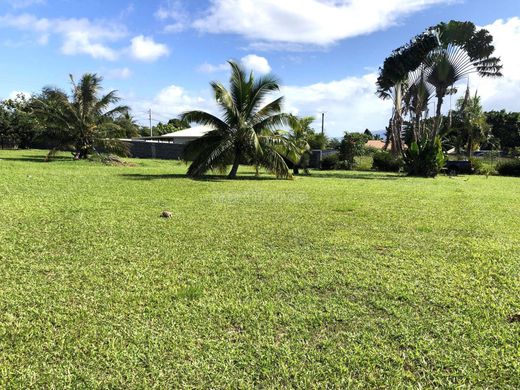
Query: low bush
(343,165)
(424,158)
(329,162)
(476,164)
(509,168)
(385,162)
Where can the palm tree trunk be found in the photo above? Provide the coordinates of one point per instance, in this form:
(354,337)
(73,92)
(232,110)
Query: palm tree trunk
(438,118)
(234,169)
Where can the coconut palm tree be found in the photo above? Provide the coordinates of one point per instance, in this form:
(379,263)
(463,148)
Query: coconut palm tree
(246,133)
(299,134)
(84,120)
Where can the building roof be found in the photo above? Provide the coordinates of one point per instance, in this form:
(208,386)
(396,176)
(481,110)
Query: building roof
(192,132)
(375,144)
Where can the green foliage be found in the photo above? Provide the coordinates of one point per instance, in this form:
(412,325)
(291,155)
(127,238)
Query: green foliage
(299,135)
(431,65)
(424,158)
(330,162)
(477,165)
(505,126)
(318,141)
(509,168)
(18,126)
(339,280)
(83,120)
(171,126)
(384,161)
(352,146)
(248,131)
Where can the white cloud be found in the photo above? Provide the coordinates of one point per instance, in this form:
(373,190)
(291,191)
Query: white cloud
(119,74)
(173,12)
(172,101)
(256,63)
(24,3)
(319,22)
(502,92)
(209,68)
(350,104)
(146,49)
(79,36)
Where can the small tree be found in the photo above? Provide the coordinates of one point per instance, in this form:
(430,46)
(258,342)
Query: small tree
(474,128)
(246,132)
(18,127)
(83,121)
(352,146)
(505,126)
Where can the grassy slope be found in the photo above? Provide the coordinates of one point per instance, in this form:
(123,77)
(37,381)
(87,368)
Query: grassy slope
(358,279)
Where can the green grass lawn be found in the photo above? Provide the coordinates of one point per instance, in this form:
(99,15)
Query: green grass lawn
(340,279)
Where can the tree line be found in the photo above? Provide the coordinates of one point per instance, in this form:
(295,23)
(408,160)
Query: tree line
(251,129)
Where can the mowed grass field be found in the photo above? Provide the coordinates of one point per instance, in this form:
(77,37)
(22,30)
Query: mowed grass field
(340,279)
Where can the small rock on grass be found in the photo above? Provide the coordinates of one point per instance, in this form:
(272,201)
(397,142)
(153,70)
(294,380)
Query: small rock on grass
(166,214)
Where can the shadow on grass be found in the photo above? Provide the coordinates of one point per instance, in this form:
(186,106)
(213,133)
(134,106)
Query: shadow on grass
(39,159)
(212,178)
(357,176)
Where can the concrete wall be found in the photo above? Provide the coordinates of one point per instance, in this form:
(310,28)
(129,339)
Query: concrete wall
(318,155)
(159,150)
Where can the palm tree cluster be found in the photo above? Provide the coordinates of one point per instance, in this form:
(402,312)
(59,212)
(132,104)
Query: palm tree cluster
(429,67)
(84,122)
(248,131)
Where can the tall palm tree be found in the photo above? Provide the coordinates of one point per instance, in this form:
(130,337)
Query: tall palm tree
(400,71)
(247,131)
(461,50)
(84,120)
(443,55)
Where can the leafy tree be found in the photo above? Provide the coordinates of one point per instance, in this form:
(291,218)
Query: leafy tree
(84,121)
(128,126)
(171,126)
(505,126)
(318,141)
(18,127)
(352,146)
(246,132)
(474,127)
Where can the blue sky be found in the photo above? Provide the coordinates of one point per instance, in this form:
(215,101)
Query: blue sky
(162,54)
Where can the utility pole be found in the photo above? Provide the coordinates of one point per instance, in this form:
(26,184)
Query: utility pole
(150,117)
(322,123)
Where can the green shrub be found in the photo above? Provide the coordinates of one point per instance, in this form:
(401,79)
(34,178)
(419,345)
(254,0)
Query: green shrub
(344,165)
(424,158)
(329,162)
(509,168)
(385,162)
(477,165)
